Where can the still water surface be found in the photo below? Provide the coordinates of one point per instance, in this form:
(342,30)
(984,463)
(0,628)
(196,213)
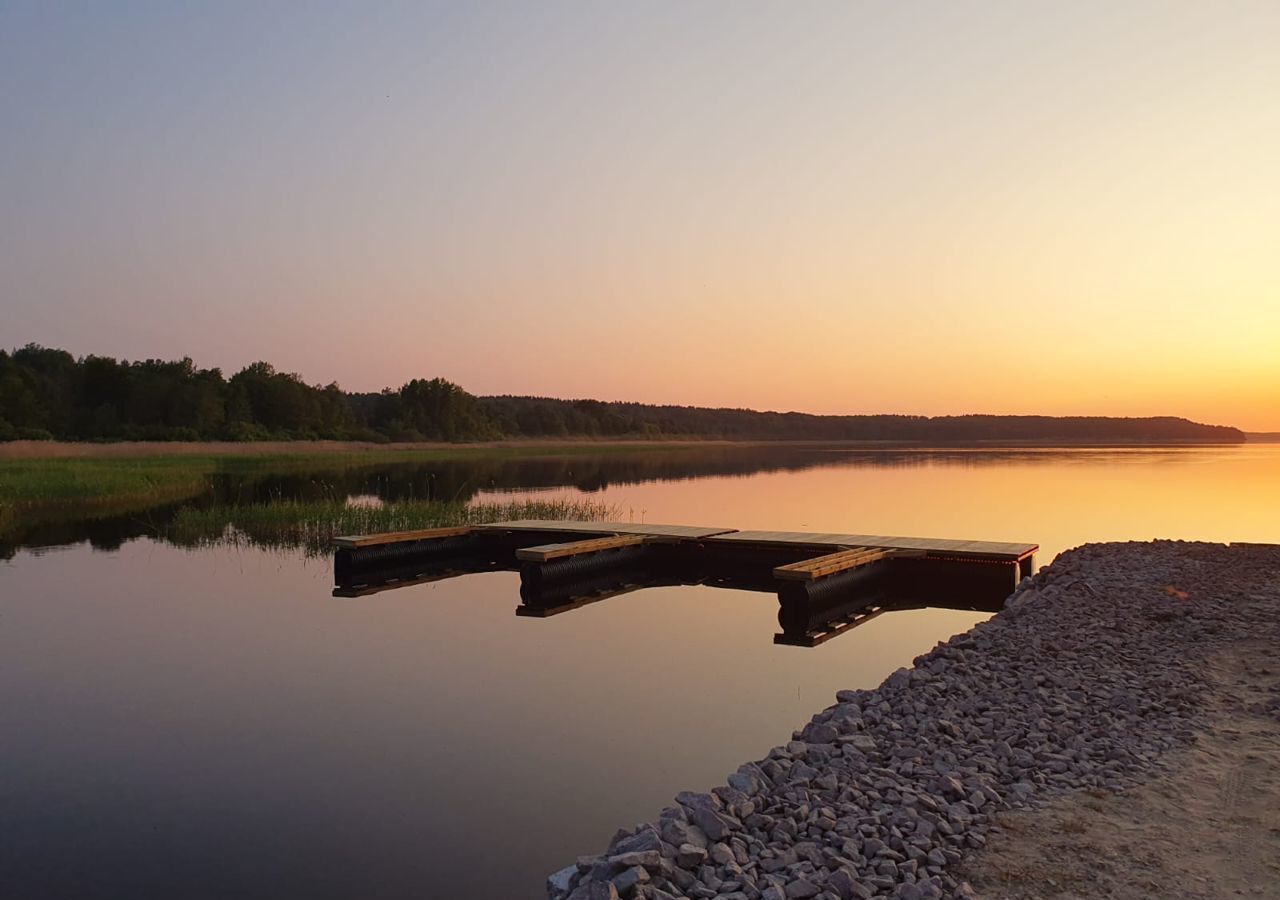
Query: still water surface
(212,723)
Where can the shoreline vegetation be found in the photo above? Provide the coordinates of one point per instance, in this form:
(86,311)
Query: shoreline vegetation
(48,394)
(197,490)
(312,525)
(40,492)
(114,478)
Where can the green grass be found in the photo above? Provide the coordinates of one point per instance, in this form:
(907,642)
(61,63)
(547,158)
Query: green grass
(37,492)
(129,480)
(314,524)
(48,482)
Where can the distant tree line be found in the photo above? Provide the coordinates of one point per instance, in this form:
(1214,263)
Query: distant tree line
(49,394)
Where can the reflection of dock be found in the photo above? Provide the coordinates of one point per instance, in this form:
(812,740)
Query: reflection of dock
(827,583)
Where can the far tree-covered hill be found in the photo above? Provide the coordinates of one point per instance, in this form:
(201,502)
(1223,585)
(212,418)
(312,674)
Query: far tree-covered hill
(47,393)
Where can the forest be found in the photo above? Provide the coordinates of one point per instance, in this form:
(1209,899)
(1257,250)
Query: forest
(49,394)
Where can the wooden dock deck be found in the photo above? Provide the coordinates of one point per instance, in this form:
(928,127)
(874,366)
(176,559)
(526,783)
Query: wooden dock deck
(654,532)
(997,550)
(826,582)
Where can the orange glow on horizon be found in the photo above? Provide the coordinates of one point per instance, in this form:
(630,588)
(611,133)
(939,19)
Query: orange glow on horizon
(907,208)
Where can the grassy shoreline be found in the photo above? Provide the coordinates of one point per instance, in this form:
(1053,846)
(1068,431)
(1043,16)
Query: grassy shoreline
(110,484)
(40,493)
(111,477)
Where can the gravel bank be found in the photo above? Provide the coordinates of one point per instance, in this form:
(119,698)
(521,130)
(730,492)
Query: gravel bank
(1096,674)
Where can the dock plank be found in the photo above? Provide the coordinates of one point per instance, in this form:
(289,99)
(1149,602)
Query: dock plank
(840,561)
(351,542)
(835,541)
(821,566)
(577,548)
(604,529)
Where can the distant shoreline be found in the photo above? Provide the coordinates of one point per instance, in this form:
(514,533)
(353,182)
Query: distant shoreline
(14,450)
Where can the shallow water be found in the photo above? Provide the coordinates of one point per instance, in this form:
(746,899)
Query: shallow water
(212,723)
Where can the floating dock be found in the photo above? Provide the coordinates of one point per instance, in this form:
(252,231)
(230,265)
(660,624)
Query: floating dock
(826,582)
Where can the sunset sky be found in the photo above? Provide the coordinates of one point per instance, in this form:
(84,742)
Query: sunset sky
(1021,207)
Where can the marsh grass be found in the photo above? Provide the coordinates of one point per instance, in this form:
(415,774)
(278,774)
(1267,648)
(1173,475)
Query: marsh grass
(43,493)
(313,525)
(106,480)
(46,492)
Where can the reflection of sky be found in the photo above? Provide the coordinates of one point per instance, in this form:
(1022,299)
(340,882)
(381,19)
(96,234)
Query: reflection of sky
(216,718)
(1058,499)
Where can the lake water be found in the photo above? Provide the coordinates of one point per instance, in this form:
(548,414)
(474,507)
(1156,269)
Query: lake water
(213,723)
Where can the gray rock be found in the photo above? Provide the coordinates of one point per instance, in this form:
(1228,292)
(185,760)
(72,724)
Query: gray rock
(627,880)
(647,838)
(899,679)
(715,824)
(560,883)
(721,854)
(907,891)
(845,882)
(595,890)
(677,833)
(690,856)
(801,888)
(820,733)
(746,781)
(650,859)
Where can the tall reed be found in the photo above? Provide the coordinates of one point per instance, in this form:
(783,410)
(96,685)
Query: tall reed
(313,524)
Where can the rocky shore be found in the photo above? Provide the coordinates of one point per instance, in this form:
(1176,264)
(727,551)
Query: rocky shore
(1095,671)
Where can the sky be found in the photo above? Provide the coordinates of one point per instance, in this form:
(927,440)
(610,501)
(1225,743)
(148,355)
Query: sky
(854,207)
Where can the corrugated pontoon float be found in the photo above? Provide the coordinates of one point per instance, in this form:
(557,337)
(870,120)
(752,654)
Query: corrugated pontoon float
(826,583)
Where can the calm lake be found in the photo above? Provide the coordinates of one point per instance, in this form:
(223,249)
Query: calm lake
(212,723)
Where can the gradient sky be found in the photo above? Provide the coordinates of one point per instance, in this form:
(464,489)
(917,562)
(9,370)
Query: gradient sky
(1019,207)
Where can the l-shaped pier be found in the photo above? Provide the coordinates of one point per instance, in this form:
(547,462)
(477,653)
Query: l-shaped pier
(826,582)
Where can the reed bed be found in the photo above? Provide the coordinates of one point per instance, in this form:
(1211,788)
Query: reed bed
(313,525)
(130,481)
(101,482)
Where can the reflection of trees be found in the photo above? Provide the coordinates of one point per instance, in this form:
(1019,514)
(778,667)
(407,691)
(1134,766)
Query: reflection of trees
(461,479)
(69,525)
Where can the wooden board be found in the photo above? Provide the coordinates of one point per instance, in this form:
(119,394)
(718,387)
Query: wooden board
(821,566)
(819,541)
(604,529)
(351,542)
(835,541)
(577,548)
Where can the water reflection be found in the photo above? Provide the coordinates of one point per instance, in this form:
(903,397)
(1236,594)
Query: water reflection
(614,472)
(211,723)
